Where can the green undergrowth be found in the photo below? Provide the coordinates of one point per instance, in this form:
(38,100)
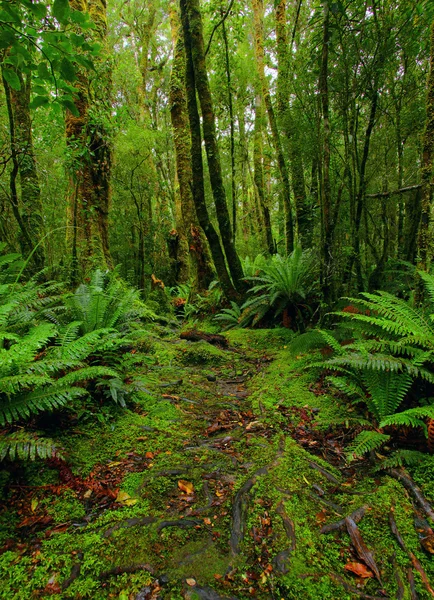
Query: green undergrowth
(171,433)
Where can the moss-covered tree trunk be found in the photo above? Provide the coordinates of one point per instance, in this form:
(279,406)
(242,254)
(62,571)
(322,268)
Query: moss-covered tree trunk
(258,170)
(258,12)
(194,38)
(424,236)
(26,205)
(198,186)
(193,256)
(290,140)
(88,141)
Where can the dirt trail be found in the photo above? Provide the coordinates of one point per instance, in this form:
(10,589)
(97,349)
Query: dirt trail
(219,501)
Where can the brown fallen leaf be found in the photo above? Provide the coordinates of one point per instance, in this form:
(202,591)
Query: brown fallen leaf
(359,569)
(186,486)
(149,455)
(428,543)
(191,582)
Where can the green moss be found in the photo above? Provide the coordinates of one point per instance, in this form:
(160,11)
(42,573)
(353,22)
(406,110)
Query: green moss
(65,508)
(260,339)
(200,353)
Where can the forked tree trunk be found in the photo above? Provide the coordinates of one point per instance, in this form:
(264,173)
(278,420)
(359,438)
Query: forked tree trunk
(193,253)
(193,36)
(198,186)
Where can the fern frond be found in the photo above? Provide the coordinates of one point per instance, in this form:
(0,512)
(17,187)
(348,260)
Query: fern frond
(25,446)
(413,417)
(45,399)
(401,458)
(364,442)
(86,373)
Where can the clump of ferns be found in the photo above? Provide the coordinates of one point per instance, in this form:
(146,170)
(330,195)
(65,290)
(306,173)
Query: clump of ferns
(391,348)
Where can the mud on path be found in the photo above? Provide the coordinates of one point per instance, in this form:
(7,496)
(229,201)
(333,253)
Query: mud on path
(219,483)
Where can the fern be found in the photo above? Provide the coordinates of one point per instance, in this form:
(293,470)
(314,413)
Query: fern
(25,446)
(366,441)
(229,317)
(401,458)
(412,417)
(282,282)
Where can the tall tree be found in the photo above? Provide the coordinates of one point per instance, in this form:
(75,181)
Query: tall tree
(192,252)
(258,12)
(88,138)
(26,206)
(194,43)
(424,238)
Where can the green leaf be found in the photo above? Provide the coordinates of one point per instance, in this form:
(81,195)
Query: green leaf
(67,70)
(38,9)
(12,79)
(39,101)
(43,71)
(6,38)
(70,106)
(60,10)
(78,17)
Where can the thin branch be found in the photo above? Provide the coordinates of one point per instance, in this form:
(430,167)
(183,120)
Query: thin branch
(403,190)
(222,20)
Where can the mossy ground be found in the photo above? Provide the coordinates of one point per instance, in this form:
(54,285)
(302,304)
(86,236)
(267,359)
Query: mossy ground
(206,423)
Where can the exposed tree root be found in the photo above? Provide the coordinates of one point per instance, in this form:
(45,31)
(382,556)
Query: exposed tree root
(340,525)
(415,561)
(415,491)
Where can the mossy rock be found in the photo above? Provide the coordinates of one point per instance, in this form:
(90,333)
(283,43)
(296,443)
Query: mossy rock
(200,353)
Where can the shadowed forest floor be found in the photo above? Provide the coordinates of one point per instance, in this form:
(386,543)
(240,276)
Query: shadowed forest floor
(218,482)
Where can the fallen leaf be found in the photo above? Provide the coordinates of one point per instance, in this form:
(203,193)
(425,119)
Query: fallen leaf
(186,486)
(125,499)
(34,504)
(149,455)
(87,494)
(359,569)
(190,581)
(207,521)
(130,502)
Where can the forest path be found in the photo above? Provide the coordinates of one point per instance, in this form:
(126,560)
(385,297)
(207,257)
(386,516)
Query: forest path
(217,486)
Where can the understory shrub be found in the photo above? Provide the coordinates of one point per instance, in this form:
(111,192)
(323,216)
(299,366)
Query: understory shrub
(386,363)
(56,350)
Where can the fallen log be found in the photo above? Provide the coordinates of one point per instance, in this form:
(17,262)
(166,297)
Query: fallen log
(193,335)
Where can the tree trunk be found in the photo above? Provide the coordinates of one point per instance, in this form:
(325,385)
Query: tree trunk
(325,194)
(193,247)
(27,208)
(89,144)
(258,11)
(232,131)
(198,188)
(424,236)
(194,37)
(286,122)
(259,174)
